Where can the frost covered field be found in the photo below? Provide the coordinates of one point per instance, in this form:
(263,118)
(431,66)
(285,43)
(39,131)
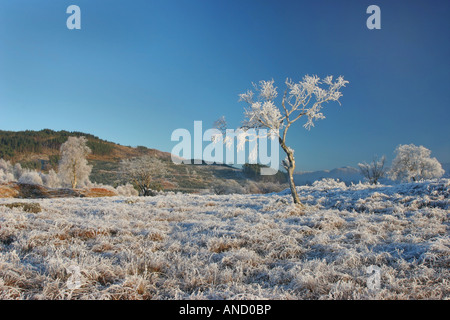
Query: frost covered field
(233,246)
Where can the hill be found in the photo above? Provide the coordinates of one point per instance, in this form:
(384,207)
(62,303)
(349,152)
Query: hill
(39,150)
(345,174)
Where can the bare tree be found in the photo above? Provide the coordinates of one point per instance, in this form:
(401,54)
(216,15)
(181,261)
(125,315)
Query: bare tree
(221,124)
(73,167)
(373,171)
(302,99)
(143,172)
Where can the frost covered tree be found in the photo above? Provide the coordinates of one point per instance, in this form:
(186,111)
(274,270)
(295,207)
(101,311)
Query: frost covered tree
(73,168)
(143,172)
(6,171)
(18,171)
(9,172)
(6,176)
(303,99)
(5,165)
(373,171)
(414,163)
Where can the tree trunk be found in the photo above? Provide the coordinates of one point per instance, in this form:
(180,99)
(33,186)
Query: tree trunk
(74,172)
(290,167)
(292,186)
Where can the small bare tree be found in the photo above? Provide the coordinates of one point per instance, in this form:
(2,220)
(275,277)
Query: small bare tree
(221,124)
(302,99)
(143,172)
(73,167)
(373,171)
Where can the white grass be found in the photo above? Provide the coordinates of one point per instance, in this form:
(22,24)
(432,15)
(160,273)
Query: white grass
(233,246)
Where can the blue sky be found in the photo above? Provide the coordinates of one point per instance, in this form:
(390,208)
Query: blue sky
(137,70)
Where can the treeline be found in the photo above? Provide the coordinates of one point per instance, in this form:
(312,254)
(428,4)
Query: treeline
(14,143)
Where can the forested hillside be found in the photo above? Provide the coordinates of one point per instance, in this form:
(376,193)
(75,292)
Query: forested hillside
(40,150)
(16,145)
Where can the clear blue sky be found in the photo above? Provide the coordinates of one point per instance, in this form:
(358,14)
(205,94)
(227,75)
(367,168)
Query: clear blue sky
(137,70)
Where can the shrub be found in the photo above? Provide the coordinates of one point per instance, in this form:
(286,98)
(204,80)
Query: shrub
(31,177)
(127,190)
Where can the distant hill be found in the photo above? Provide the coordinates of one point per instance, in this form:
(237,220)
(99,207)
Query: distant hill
(345,174)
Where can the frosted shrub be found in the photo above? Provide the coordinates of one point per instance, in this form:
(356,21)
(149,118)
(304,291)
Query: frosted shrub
(5,165)
(227,187)
(31,177)
(6,176)
(269,187)
(17,171)
(51,180)
(253,187)
(127,190)
(328,183)
(6,171)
